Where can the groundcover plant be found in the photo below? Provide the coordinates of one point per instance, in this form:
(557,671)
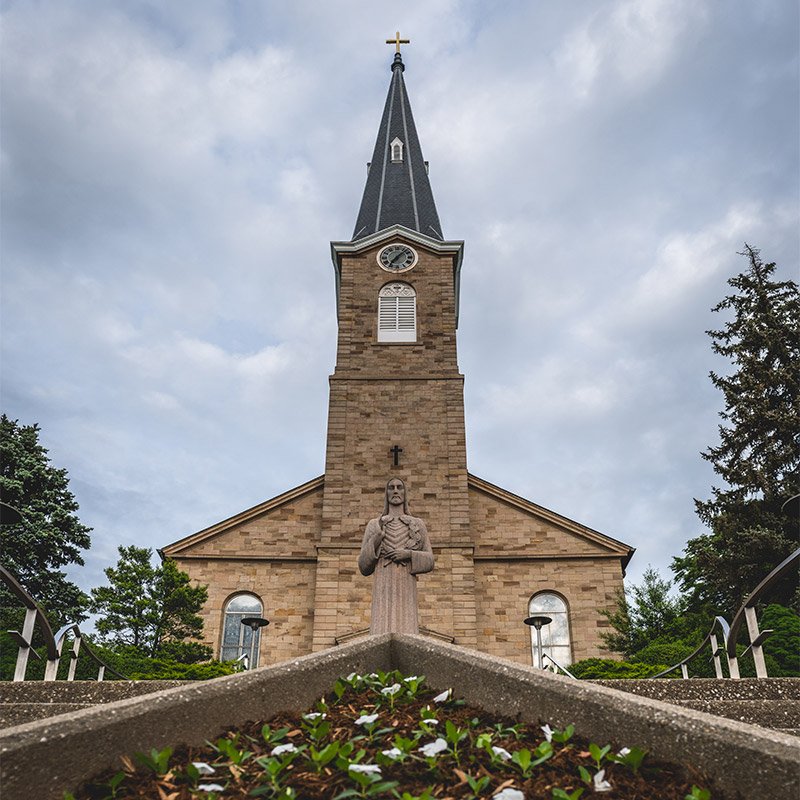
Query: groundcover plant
(388,735)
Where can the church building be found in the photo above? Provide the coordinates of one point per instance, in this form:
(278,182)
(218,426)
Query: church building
(397,409)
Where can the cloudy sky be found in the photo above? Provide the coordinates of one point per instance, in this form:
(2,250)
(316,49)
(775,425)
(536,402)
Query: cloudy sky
(173,172)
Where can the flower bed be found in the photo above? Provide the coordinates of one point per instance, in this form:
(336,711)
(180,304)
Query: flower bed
(388,735)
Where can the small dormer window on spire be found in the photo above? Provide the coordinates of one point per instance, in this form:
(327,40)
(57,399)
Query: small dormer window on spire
(397,151)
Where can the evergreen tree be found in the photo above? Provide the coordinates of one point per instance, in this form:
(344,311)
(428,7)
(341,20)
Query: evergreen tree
(643,613)
(758,457)
(50,535)
(145,607)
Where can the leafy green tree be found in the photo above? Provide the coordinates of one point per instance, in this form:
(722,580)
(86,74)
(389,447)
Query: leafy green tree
(145,607)
(50,535)
(758,456)
(643,614)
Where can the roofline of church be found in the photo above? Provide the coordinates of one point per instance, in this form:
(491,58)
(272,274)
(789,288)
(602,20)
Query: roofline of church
(455,247)
(625,551)
(243,516)
(619,549)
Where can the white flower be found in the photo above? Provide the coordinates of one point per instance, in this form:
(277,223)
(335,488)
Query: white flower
(599,784)
(211,787)
(283,748)
(433,748)
(312,715)
(366,719)
(353,676)
(622,753)
(502,752)
(443,697)
(392,690)
(365,768)
(203,768)
(393,753)
(431,721)
(411,678)
(548,732)
(509,794)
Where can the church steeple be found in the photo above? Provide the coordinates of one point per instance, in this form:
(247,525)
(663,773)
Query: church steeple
(398,191)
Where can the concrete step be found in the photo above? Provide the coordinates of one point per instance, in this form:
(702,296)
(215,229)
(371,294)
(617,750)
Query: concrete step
(26,701)
(18,713)
(771,703)
(677,690)
(779,714)
(79,691)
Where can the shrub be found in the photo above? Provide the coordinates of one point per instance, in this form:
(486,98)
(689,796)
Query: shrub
(607,668)
(784,645)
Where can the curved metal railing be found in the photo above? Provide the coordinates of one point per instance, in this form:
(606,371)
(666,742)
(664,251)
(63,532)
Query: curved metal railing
(54,644)
(556,666)
(730,633)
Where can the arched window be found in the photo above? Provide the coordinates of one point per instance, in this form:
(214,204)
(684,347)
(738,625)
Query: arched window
(555,636)
(397,150)
(238,638)
(397,313)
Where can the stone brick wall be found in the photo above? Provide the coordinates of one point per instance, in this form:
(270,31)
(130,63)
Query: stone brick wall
(269,551)
(501,527)
(358,351)
(382,394)
(522,549)
(286,589)
(504,588)
(367,417)
(286,529)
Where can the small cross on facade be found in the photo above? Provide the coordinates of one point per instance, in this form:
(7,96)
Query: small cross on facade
(397,41)
(395,451)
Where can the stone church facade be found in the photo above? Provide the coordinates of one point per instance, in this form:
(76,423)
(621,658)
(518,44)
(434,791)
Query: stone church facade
(397,409)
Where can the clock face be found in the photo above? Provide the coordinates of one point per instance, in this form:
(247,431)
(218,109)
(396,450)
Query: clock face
(397,257)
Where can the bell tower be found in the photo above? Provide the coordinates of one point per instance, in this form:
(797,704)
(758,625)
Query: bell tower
(396,395)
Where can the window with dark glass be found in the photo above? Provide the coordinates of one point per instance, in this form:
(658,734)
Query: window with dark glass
(555,636)
(237,638)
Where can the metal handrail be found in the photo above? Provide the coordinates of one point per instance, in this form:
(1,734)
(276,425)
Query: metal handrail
(557,665)
(730,633)
(243,662)
(733,664)
(35,615)
(747,612)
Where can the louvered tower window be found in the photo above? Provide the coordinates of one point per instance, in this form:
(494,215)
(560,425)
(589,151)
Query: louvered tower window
(397,313)
(397,150)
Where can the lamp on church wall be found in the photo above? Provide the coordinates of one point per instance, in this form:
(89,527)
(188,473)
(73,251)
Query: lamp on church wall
(538,621)
(254,623)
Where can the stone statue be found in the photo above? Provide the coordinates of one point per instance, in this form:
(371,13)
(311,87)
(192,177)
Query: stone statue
(397,549)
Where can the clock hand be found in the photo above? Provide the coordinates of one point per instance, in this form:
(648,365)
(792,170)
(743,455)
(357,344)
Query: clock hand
(397,258)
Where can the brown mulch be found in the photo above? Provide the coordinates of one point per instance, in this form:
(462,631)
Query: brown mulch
(655,780)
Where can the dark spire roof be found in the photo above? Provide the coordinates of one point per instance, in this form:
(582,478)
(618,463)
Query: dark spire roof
(397,193)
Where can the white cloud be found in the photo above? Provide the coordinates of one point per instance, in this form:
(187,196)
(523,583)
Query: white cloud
(172,176)
(687,260)
(627,44)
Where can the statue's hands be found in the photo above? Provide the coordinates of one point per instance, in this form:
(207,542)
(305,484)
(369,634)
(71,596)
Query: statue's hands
(400,556)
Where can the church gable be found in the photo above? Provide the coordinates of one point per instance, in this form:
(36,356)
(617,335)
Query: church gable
(504,524)
(287,526)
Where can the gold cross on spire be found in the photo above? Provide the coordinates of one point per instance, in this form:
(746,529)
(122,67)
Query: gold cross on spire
(397,41)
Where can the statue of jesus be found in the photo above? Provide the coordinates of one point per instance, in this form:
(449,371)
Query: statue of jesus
(396,548)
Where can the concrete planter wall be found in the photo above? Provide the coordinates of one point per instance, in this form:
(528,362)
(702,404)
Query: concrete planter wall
(42,759)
